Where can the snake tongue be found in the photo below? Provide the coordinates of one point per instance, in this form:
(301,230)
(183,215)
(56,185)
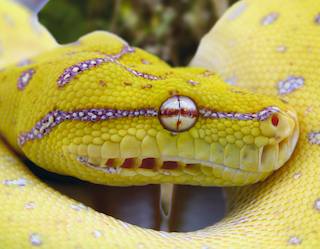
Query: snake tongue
(166,202)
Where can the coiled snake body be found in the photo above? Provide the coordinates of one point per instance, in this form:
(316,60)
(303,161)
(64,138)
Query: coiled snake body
(108,113)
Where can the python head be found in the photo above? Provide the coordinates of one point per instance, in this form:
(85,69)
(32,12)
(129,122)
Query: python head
(112,114)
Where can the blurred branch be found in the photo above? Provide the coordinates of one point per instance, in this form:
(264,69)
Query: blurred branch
(220,6)
(115,15)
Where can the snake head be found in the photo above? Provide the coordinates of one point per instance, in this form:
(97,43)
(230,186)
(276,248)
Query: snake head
(130,119)
(256,142)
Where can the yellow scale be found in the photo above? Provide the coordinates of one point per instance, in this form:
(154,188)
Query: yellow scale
(261,45)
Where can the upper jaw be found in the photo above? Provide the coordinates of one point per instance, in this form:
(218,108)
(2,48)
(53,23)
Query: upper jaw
(235,166)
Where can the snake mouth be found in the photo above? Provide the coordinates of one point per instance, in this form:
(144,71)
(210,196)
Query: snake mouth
(215,164)
(174,167)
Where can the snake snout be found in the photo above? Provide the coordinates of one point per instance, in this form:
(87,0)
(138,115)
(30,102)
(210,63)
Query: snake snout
(282,128)
(262,154)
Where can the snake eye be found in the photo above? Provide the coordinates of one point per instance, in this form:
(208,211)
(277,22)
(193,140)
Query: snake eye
(178,113)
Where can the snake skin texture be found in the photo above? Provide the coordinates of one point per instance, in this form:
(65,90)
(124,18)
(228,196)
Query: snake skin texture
(273,48)
(282,211)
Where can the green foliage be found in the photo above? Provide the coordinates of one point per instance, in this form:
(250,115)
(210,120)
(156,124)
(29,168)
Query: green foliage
(170,29)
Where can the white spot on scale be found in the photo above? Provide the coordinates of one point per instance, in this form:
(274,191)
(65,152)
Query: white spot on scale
(124,224)
(205,247)
(75,69)
(21,182)
(317,19)
(269,19)
(237,11)
(314,138)
(240,220)
(78,207)
(297,175)
(317,204)
(24,62)
(35,239)
(30,205)
(232,80)
(146,62)
(281,49)
(141,246)
(290,84)
(294,240)
(308,110)
(193,83)
(9,159)
(97,233)
(164,234)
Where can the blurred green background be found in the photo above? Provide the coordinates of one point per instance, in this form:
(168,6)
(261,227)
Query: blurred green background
(170,29)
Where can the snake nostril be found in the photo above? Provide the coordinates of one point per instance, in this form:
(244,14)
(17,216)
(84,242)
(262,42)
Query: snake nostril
(275,120)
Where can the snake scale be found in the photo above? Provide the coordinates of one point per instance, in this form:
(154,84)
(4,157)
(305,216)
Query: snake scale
(105,112)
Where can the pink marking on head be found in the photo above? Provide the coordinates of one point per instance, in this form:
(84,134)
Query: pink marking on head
(54,118)
(72,71)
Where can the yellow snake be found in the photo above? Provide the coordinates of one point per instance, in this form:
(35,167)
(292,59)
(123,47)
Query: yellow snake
(108,113)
